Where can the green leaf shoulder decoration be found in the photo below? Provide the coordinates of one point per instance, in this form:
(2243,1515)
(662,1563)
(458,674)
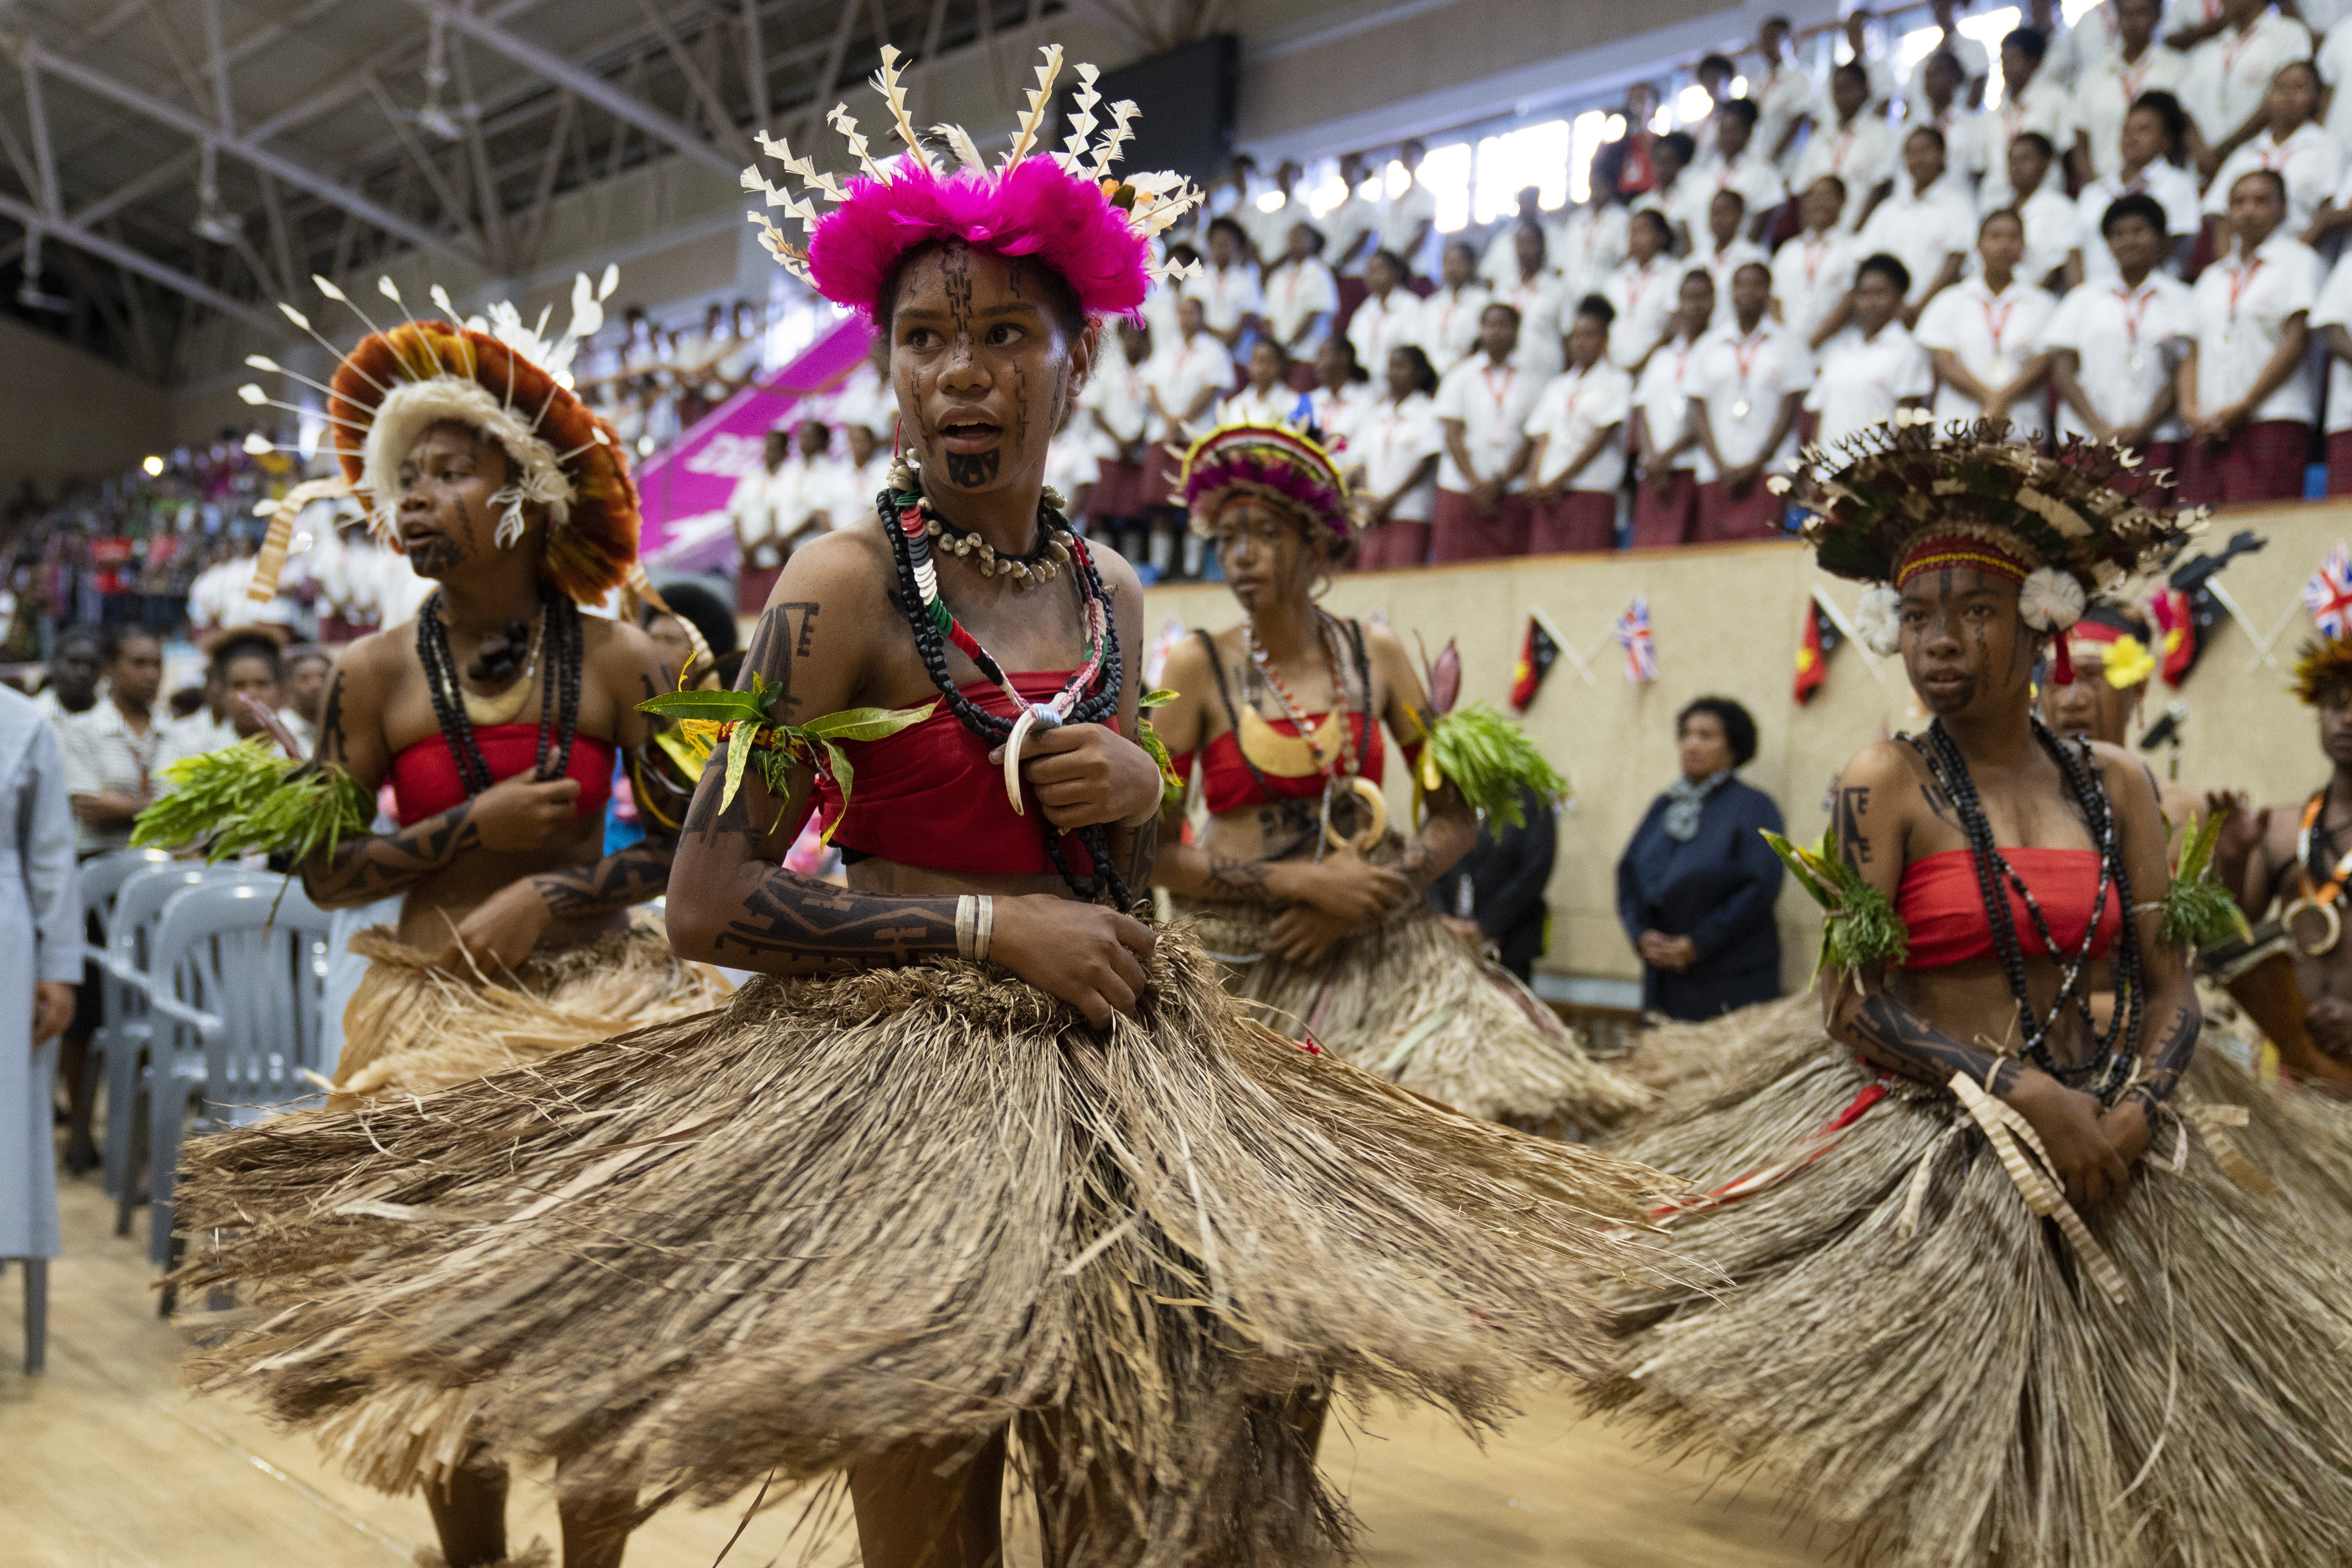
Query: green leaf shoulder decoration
(706,718)
(2197,910)
(1489,759)
(1172,787)
(1860,925)
(249,798)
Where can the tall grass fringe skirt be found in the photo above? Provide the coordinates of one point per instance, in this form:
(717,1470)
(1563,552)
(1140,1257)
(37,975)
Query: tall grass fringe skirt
(1407,1001)
(1940,1374)
(841,1214)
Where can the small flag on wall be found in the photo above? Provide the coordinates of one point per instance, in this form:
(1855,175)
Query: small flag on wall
(1821,639)
(2328,595)
(1633,632)
(1538,651)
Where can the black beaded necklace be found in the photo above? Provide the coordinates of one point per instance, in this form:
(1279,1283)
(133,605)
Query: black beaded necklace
(1099,705)
(2104,1072)
(559,705)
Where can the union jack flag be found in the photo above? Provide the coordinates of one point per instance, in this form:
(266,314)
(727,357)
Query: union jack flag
(2328,595)
(1633,631)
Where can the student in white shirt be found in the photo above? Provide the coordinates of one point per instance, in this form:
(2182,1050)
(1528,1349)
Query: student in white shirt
(1117,405)
(1747,393)
(1661,435)
(752,509)
(1341,393)
(1873,366)
(2243,393)
(1184,380)
(2153,144)
(807,493)
(1713,74)
(2053,242)
(1725,249)
(1984,336)
(1964,129)
(2106,90)
(1269,233)
(1353,229)
(1670,156)
(1590,245)
(1967,55)
(1924,224)
(1448,326)
(1300,294)
(2113,341)
(1783,93)
(1811,273)
(1642,292)
(2029,101)
(1267,399)
(1738,169)
(2331,318)
(2230,76)
(1388,316)
(1501,262)
(2307,158)
(2334,60)
(1534,291)
(1232,305)
(1393,449)
(1483,405)
(1578,431)
(1407,220)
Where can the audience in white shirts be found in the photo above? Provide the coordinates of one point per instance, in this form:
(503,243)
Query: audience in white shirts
(1724,248)
(2153,143)
(1407,220)
(1924,223)
(2138,63)
(1590,245)
(1341,393)
(2334,60)
(2331,318)
(1984,333)
(1300,294)
(2290,141)
(1811,273)
(1642,292)
(1873,366)
(2114,342)
(1783,93)
(2053,241)
(1967,57)
(2029,101)
(1393,448)
(1501,262)
(1185,377)
(1967,132)
(1267,398)
(1447,330)
(1747,391)
(1535,292)
(1232,304)
(1351,230)
(2230,76)
(1576,460)
(1854,144)
(1268,231)
(1483,405)
(1388,315)
(2243,392)
(1738,169)
(1662,438)
(807,495)
(1670,156)
(1117,402)
(753,512)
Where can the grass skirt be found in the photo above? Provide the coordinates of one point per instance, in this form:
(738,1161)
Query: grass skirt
(1964,1394)
(840,1214)
(1689,1063)
(412,1029)
(1409,1001)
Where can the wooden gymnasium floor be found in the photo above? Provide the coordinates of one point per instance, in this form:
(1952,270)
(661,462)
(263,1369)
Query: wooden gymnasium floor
(110,1463)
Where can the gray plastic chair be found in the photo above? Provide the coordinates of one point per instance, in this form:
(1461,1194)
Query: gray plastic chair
(138,904)
(102,877)
(235,970)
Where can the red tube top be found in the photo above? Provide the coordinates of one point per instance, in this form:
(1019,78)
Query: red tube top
(1227,783)
(1944,908)
(928,796)
(425,780)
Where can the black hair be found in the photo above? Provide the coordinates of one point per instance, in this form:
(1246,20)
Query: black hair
(1314,235)
(1854,68)
(2032,42)
(1345,344)
(1752,266)
(1698,274)
(2135,206)
(184,702)
(1740,109)
(1241,234)
(1598,308)
(1830,180)
(2012,214)
(2166,108)
(81,632)
(1183,250)
(1716,63)
(1734,195)
(1268,341)
(1946,57)
(302,653)
(2036,138)
(247,645)
(1929,132)
(1887,267)
(1493,305)
(1061,299)
(2277,180)
(1424,375)
(709,614)
(1666,230)
(1465,247)
(1739,725)
(111,641)
(1403,268)
(1680,141)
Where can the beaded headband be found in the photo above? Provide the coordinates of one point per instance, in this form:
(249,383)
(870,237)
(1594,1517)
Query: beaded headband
(1937,551)
(1066,208)
(1274,463)
(498,376)
(2324,665)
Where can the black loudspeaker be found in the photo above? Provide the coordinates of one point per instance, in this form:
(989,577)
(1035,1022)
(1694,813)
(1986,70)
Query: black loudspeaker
(1190,96)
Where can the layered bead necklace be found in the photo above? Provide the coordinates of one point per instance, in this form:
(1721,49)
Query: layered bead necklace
(1345,771)
(556,649)
(1091,695)
(2109,1066)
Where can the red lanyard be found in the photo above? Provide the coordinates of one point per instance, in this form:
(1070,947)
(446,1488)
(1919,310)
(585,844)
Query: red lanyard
(1745,352)
(1510,374)
(1816,252)
(2132,313)
(2236,46)
(1996,327)
(2271,156)
(1638,281)
(2133,75)
(2240,278)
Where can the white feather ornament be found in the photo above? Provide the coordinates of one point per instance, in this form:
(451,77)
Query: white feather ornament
(1879,619)
(2050,600)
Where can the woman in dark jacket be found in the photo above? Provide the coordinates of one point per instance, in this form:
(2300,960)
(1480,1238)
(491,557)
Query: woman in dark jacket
(1694,888)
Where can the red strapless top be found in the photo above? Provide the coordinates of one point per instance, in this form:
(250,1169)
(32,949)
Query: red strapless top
(425,780)
(928,796)
(1227,783)
(1940,901)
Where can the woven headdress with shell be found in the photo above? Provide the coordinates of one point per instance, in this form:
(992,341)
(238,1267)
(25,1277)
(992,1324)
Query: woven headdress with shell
(1063,208)
(496,374)
(1274,463)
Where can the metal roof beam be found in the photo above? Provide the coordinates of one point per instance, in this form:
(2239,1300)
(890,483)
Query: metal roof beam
(146,266)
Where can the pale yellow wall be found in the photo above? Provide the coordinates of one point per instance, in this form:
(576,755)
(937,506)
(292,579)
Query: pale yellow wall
(65,414)
(1726,619)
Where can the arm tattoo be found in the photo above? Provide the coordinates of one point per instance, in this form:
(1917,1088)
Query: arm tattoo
(2160,1072)
(1136,849)
(1852,841)
(1903,1039)
(1237,881)
(606,887)
(360,870)
(331,745)
(782,637)
(793,917)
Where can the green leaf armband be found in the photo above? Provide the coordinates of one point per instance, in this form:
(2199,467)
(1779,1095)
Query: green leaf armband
(2197,910)
(248,799)
(1171,788)
(1490,761)
(706,718)
(1859,926)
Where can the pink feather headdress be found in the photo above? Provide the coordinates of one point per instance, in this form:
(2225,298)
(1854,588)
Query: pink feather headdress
(1272,462)
(1066,208)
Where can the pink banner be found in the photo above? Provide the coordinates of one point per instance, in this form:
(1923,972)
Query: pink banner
(686,485)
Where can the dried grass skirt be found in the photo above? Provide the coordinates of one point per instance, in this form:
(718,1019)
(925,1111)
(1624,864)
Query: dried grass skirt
(1966,1395)
(412,1029)
(1410,1003)
(841,1214)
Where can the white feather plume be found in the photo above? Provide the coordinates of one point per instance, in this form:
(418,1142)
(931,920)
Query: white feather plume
(959,141)
(1082,121)
(1026,137)
(2050,600)
(841,120)
(1879,620)
(887,83)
